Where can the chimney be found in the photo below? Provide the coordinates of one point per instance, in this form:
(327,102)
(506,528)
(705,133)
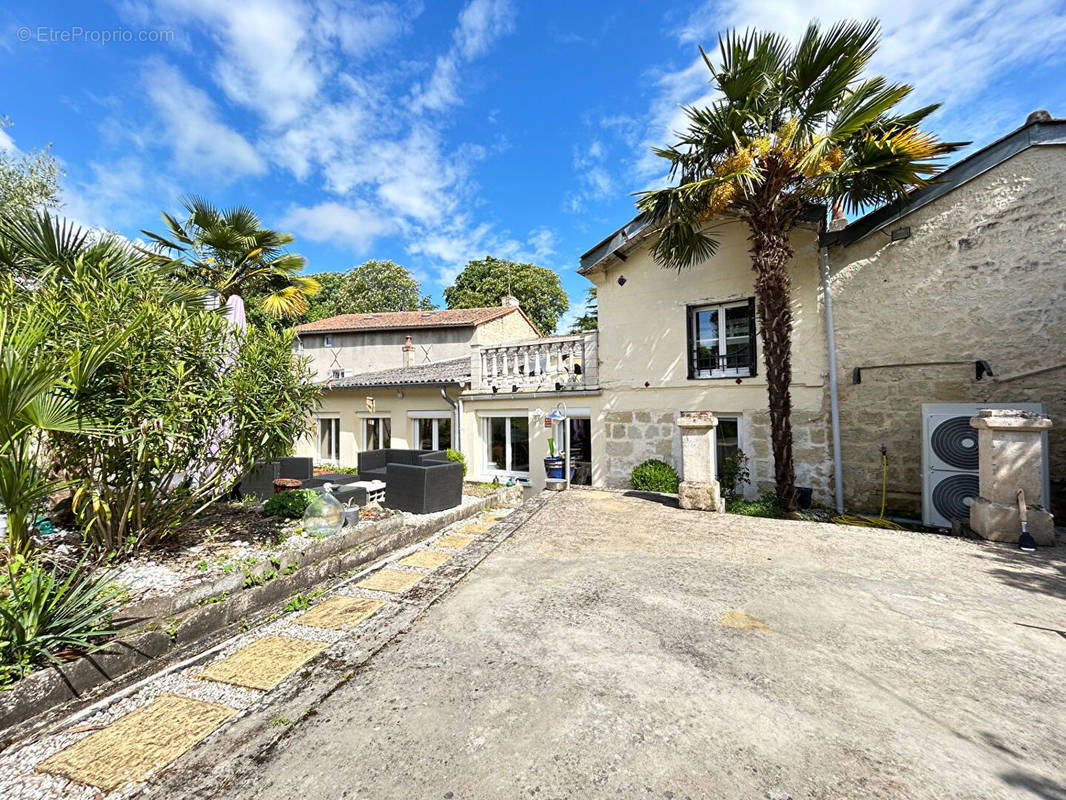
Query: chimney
(838,221)
(408,348)
(509,301)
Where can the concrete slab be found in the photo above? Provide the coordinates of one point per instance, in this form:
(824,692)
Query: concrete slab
(340,612)
(425,559)
(137,744)
(587,657)
(395,581)
(264,663)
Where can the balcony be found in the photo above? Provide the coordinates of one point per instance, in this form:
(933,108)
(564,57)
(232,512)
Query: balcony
(552,364)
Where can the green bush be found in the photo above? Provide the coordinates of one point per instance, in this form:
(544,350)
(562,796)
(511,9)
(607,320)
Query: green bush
(292,503)
(42,615)
(654,476)
(734,474)
(766,506)
(455,455)
(179,409)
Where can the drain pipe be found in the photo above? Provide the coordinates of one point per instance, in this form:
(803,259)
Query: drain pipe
(457,411)
(834,400)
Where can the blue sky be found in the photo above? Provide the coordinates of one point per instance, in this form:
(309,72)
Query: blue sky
(436,132)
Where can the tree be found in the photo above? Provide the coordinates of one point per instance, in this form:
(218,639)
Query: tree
(230,252)
(29,181)
(796,126)
(372,287)
(588,321)
(538,290)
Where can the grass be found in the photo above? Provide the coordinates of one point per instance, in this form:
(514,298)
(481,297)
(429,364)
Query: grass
(765,505)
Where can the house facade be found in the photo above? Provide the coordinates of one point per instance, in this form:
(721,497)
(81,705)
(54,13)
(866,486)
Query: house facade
(392,379)
(970,269)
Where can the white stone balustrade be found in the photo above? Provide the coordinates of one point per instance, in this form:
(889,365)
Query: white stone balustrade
(549,364)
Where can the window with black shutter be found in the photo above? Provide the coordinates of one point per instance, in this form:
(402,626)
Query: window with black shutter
(721,340)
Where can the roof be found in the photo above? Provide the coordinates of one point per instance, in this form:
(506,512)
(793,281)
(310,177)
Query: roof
(1039,129)
(451,372)
(397,320)
(638,229)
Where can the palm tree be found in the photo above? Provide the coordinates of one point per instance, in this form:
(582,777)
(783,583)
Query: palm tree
(231,252)
(796,127)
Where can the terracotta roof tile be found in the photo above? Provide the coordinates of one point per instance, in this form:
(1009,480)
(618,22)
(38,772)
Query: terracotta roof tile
(391,320)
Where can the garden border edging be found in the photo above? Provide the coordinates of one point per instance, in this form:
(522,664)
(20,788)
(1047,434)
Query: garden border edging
(169,626)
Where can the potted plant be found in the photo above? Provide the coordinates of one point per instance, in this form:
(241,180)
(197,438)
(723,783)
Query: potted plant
(553,465)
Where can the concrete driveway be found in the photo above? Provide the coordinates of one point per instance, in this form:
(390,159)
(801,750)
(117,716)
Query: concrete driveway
(618,647)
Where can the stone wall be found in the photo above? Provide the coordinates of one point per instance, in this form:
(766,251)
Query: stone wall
(981,277)
(635,436)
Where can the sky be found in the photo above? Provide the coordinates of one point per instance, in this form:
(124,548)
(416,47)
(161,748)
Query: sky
(436,132)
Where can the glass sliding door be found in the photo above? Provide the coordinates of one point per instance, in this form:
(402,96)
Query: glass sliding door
(506,446)
(434,433)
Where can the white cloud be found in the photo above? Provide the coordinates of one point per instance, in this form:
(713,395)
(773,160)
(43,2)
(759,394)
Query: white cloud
(333,222)
(595,182)
(199,139)
(951,51)
(7,144)
(481,23)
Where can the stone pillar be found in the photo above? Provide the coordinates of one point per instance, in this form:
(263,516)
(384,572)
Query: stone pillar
(1010,457)
(699,490)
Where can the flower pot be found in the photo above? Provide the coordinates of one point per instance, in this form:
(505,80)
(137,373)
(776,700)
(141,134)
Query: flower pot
(554,466)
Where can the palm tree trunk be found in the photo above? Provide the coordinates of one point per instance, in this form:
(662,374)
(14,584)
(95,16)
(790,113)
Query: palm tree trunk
(771,253)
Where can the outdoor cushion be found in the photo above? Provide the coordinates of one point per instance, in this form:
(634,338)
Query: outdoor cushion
(299,467)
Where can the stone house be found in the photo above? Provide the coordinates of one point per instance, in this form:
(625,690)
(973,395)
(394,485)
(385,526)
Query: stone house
(968,270)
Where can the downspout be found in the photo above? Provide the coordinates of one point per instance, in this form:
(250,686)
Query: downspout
(457,411)
(834,400)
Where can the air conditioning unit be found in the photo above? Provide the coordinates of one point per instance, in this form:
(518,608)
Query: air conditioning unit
(949,459)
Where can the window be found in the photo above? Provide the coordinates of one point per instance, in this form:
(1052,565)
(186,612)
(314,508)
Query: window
(339,373)
(328,340)
(721,340)
(377,433)
(329,439)
(433,433)
(506,445)
(726,440)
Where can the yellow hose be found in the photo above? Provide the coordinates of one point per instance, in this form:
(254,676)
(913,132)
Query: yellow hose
(878,521)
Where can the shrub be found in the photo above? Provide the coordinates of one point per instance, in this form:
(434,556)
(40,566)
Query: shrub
(455,455)
(734,475)
(766,506)
(43,615)
(183,407)
(654,476)
(291,504)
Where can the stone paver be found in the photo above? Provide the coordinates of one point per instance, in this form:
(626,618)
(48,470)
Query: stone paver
(137,744)
(395,581)
(453,542)
(425,559)
(473,529)
(340,612)
(139,734)
(264,663)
